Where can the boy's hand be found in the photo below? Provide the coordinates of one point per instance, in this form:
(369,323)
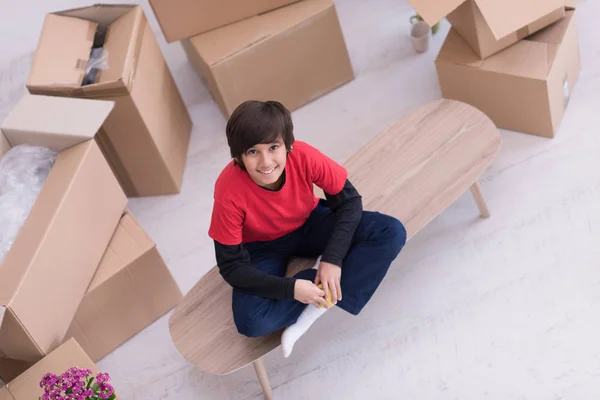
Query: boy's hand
(329,276)
(308,293)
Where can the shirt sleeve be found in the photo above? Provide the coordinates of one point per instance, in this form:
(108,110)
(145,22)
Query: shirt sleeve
(226,223)
(347,206)
(325,173)
(236,269)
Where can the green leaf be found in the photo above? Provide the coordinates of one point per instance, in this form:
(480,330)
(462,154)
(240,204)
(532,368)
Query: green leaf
(112,397)
(90,383)
(415,17)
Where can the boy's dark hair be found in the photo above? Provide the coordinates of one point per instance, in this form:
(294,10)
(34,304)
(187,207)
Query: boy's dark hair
(258,122)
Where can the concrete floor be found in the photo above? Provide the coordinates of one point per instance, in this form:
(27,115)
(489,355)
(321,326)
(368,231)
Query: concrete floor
(503,308)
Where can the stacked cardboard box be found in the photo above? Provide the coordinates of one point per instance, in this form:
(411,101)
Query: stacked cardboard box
(284,50)
(145,139)
(80,266)
(515,60)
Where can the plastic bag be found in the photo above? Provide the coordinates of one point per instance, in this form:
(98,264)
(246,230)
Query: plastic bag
(23,171)
(98,61)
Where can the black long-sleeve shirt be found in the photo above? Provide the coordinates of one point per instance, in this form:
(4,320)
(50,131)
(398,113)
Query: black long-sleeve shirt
(236,267)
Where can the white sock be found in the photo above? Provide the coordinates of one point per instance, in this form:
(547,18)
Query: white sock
(293,332)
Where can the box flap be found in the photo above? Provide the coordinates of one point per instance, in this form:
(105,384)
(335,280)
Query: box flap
(102,14)
(54,122)
(219,44)
(4,145)
(15,341)
(573,3)
(128,243)
(62,52)
(526,58)
(555,33)
(123,40)
(433,11)
(507,16)
(10,369)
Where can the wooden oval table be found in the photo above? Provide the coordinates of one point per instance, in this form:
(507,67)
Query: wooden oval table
(413,171)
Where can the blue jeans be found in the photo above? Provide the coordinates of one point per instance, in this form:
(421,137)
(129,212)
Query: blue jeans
(377,241)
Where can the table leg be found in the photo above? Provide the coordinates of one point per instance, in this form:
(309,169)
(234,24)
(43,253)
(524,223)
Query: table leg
(483,208)
(263,378)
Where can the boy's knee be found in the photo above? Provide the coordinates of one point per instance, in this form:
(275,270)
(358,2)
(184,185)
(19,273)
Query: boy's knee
(395,233)
(400,234)
(252,329)
(250,324)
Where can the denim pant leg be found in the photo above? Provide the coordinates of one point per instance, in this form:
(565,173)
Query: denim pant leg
(377,241)
(258,316)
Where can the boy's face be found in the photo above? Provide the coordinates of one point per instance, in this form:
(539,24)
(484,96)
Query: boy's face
(265,163)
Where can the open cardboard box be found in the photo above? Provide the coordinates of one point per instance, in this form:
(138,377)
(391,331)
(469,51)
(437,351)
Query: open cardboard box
(146,137)
(131,289)
(57,250)
(27,385)
(294,54)
(182,19)
(525,88)
(10,369)
(489,26)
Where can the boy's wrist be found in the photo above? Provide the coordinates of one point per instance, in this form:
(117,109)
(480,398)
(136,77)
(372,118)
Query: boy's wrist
(331,259)
(290,292)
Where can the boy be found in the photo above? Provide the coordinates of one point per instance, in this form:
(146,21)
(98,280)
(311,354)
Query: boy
(265,212)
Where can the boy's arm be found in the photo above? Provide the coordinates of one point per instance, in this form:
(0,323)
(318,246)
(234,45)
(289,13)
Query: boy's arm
(347,205)
(235,267)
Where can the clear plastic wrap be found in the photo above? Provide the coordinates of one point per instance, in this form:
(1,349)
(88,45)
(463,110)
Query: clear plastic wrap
(23,171)
(98,61)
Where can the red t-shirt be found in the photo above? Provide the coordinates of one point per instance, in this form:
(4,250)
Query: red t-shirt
(244,212)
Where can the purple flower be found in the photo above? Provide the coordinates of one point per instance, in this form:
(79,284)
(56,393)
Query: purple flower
(73,385)
(106,390)
(102,377)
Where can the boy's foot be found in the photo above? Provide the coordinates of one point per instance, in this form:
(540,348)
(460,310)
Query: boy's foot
(293,332)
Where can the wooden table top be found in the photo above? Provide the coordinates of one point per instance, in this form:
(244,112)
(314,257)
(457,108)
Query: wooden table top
(413,171)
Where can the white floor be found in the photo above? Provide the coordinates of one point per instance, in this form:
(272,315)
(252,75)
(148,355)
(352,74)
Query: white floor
(505,308)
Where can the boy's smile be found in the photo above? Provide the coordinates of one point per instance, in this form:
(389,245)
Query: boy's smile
(267,172)
(265,163)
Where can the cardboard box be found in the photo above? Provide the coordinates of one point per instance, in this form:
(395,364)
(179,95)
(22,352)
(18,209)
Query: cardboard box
(182,19)
(10,369)
(293,55)
(131,289)
(5,394)
(524,88)
(27,385)
(146,137)
(492,25)
(56,253)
